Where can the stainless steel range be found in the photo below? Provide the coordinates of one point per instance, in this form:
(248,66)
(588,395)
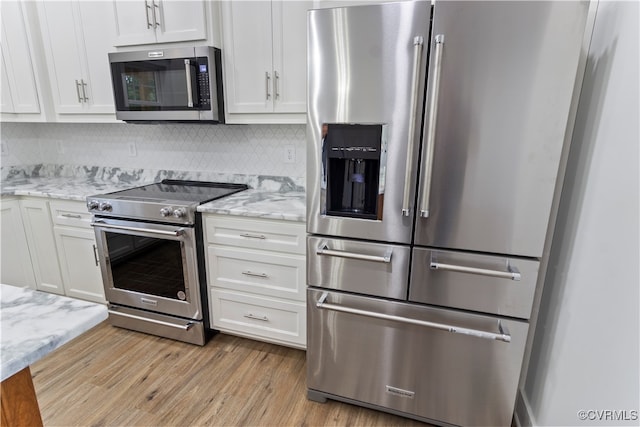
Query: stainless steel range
(149,241)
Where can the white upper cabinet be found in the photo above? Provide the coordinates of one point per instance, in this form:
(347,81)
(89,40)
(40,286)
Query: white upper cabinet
(19,89)
(77,36)
(264,48)
(159,21)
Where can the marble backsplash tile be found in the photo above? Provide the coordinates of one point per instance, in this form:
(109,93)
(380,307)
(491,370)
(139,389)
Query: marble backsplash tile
(253,154)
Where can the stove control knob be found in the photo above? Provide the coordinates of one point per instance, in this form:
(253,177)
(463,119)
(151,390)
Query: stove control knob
(105,207)
(166,211)
(92,205)
(180,213)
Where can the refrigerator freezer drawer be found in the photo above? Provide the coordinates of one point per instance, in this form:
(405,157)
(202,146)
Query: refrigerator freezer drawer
(433,364)
(485,283)
(362,267)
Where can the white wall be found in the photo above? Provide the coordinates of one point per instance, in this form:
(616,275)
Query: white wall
(585,354)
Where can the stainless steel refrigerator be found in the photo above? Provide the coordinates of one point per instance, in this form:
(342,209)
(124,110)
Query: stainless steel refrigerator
(436,145)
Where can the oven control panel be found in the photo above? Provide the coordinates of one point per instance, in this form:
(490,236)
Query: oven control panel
(142,211)
(168,211)
(100,206)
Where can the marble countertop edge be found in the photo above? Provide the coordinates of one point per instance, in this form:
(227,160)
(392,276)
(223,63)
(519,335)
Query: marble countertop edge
(36,323)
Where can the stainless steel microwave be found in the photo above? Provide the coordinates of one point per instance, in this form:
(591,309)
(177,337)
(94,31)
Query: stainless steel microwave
(174,84)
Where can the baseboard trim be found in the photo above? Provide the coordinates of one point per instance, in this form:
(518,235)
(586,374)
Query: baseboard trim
(522,416)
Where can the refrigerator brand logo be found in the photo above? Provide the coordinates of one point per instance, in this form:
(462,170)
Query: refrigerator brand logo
(400,392)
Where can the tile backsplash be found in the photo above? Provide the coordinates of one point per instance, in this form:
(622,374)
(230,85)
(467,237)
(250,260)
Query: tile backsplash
(225,149)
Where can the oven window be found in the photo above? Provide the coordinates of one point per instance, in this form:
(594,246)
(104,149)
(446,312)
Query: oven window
(147,265)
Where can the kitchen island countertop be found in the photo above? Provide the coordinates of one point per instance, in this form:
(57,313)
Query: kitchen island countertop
(35,323)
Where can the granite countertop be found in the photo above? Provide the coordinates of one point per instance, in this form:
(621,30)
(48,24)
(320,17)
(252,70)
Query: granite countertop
(64,188)
(289,206)
(284,205)
(35,323)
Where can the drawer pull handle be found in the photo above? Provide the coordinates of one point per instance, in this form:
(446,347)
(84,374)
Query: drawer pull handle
(75,216)
(253,236)
(251,273)
(253,316)
(502,335)
(323,249)
(511,274)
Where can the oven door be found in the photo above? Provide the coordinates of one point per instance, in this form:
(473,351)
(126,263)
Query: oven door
(149,266)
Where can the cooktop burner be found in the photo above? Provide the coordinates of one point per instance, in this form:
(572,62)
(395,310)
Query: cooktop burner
(177,190)
(173,201)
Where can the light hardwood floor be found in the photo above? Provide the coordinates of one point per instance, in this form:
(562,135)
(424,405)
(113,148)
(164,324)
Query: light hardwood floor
(112,376)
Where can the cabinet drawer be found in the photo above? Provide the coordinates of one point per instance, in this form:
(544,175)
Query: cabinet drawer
(280,236)
(445,365)
(362,267)
(264,273)
(485,283)
(69,213)
(260,318)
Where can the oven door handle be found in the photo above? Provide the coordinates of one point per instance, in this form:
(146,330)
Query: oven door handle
(175,233)
(186,327)
(503,334)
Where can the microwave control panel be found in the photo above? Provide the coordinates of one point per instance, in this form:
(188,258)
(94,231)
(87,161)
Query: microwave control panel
(204,92)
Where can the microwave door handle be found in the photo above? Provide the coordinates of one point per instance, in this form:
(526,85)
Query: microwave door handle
(187,70)
(431,128)
(415,83)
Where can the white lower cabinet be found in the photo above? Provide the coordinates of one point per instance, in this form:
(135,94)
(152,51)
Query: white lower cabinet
(15,262)
(42,245)
(77,252)
(49,245)
(256,272)
(267,319)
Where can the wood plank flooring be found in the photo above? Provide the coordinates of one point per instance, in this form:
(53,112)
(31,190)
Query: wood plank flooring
(115,377)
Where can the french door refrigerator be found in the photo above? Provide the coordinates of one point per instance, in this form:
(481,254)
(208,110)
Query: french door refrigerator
(436,147)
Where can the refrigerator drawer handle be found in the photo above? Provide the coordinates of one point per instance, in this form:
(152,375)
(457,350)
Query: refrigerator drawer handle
(418,43)
(503,334)
(186,327)
(512,274)
(431,128)
(323,249)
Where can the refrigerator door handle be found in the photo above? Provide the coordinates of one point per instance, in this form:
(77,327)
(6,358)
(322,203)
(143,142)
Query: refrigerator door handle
(512,274)
(431,127)
(418,43)
(502,335)
(323,249)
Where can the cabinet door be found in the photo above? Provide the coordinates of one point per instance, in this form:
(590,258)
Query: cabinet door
(42,245)
(180,20)
(290,55)
(57,22)
(133,22)
(19,90)
(79,263)
(16,262)
(247,56)
(96,40)
(77,38)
